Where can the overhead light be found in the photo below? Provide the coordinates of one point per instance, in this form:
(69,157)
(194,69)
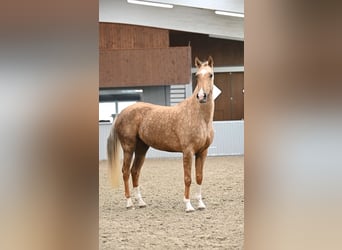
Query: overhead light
(154,4)
(226,13)
(226,37)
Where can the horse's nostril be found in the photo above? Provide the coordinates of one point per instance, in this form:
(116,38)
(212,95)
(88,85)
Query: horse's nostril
(202,97)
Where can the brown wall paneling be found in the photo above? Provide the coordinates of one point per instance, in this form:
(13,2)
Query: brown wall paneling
(229,105)
(145,67)
(224,52)
(222,102)
(124,36)
(237,102)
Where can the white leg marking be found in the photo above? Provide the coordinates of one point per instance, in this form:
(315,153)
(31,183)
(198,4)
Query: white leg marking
(129,203)
(188,206)
(201,204)
(138,197)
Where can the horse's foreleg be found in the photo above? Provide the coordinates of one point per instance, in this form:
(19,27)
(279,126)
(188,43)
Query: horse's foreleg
(187,161)
(199,163)
(125,174)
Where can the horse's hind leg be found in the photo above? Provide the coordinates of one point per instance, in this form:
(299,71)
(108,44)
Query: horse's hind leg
(139,158)
(127,159)
(199,163)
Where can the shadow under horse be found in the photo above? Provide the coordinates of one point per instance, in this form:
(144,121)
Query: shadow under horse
(186,127)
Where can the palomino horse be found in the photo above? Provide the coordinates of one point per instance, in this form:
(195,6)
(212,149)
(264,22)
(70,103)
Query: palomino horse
(186,128)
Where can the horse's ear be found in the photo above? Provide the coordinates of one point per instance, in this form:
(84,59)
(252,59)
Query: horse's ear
(198,63)
(210,61)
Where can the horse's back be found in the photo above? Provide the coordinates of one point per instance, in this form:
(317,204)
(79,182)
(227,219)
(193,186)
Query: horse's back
(128,121)
(131,118)
(134,112)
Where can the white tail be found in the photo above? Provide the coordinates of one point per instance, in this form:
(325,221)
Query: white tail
(113,154)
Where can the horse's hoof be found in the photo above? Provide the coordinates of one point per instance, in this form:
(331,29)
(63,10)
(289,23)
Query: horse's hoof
(129,203)
(188,206)
(189,210)
(201,205)
(142,204)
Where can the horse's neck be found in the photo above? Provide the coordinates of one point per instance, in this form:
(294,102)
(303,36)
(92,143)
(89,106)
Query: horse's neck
(207,109)
(204,110)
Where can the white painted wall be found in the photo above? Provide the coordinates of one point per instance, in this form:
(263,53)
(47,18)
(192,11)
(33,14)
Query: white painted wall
(228,140)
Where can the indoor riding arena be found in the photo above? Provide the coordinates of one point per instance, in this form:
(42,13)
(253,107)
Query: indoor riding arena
(173,55)
(163,223)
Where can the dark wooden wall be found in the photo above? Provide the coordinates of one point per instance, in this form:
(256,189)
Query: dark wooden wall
(145,67)
(124,36)
(229,105)
(225,52)
(132,55)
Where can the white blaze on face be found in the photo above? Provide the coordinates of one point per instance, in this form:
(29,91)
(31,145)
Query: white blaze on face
(200,94)
(203,72)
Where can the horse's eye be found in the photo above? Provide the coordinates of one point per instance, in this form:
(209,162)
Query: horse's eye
(211,75)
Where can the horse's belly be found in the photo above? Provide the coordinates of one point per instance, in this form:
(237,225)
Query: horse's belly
(160,138)
(166,147)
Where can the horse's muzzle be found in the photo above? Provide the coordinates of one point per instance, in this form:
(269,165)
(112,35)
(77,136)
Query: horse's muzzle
(202,97)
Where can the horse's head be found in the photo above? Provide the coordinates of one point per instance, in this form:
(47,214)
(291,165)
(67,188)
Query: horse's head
(205,79)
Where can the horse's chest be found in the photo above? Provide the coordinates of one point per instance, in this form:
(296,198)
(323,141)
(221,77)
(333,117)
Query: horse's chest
(202,137)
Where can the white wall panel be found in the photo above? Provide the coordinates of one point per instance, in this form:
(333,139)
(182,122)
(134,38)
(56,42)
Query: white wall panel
(228,140)
(104,129)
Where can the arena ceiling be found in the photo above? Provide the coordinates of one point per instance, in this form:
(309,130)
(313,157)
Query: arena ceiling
(196,16)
